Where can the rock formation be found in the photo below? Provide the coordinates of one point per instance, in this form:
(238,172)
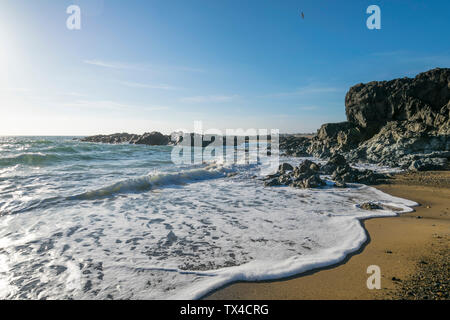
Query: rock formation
(152,139)
(399,123)
(308,174)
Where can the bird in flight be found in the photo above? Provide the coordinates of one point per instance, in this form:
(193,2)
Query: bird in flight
(303,15)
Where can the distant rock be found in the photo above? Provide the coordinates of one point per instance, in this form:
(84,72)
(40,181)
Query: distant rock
(152,139)
(113,138)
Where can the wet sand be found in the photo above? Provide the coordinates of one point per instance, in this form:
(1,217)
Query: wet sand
(412,251)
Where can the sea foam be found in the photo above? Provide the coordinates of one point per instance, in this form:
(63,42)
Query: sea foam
(123,231)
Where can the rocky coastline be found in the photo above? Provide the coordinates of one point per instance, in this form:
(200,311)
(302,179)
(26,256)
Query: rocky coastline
(402,123)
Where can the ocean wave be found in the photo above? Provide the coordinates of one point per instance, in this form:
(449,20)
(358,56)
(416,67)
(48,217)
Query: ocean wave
(156,181)
(41,159)
(28,159)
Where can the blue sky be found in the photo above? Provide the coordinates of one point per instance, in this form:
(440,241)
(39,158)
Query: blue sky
(147,65)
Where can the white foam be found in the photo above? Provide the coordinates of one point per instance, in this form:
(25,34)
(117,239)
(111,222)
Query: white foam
(228,229)
(174,233)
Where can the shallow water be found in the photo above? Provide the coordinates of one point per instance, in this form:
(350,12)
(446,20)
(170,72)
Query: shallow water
(92,221)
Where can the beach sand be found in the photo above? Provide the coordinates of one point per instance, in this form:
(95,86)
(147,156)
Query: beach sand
(412,251)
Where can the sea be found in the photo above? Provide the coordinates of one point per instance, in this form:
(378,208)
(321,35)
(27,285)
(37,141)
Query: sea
(97,221)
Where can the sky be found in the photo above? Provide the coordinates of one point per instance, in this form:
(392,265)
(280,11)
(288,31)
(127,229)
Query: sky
(144,65)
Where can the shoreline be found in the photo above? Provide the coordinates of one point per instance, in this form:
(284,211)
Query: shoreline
(401,246)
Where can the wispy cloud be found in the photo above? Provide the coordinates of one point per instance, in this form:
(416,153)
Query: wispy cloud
(136,66)
(104,64)
(148,86)
(17,90)
(110,105)
(209,99)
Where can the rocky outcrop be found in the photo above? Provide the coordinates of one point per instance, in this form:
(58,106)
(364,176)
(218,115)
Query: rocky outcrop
(424,99)
(112,138)
(152,139)
(399,123)
(293,145)
(335,137)
(308,174)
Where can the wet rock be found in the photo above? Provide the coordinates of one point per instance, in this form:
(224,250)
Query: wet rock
(428,164)
(340,183)
(272,182)
(285,179)
(370,206)
(338,160)
(314,167)
(300,177)
(285,167)
(171,238)
(313,181)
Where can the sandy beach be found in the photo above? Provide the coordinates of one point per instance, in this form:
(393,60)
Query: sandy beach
(412,251)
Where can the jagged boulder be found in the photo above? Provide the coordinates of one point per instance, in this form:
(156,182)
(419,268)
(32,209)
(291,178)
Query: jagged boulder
(335,137)
(152,139)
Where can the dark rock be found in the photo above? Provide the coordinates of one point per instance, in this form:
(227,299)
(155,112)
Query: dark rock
(305,166)
(272,182)
(340,183)
(285,179)
(285,167)
(338,160)
(399,123)
(370,206)
(300,177)
(335,137)
(152,139)
(427,164)
(113,138)
(374,104)
(313,181)
(294,145)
